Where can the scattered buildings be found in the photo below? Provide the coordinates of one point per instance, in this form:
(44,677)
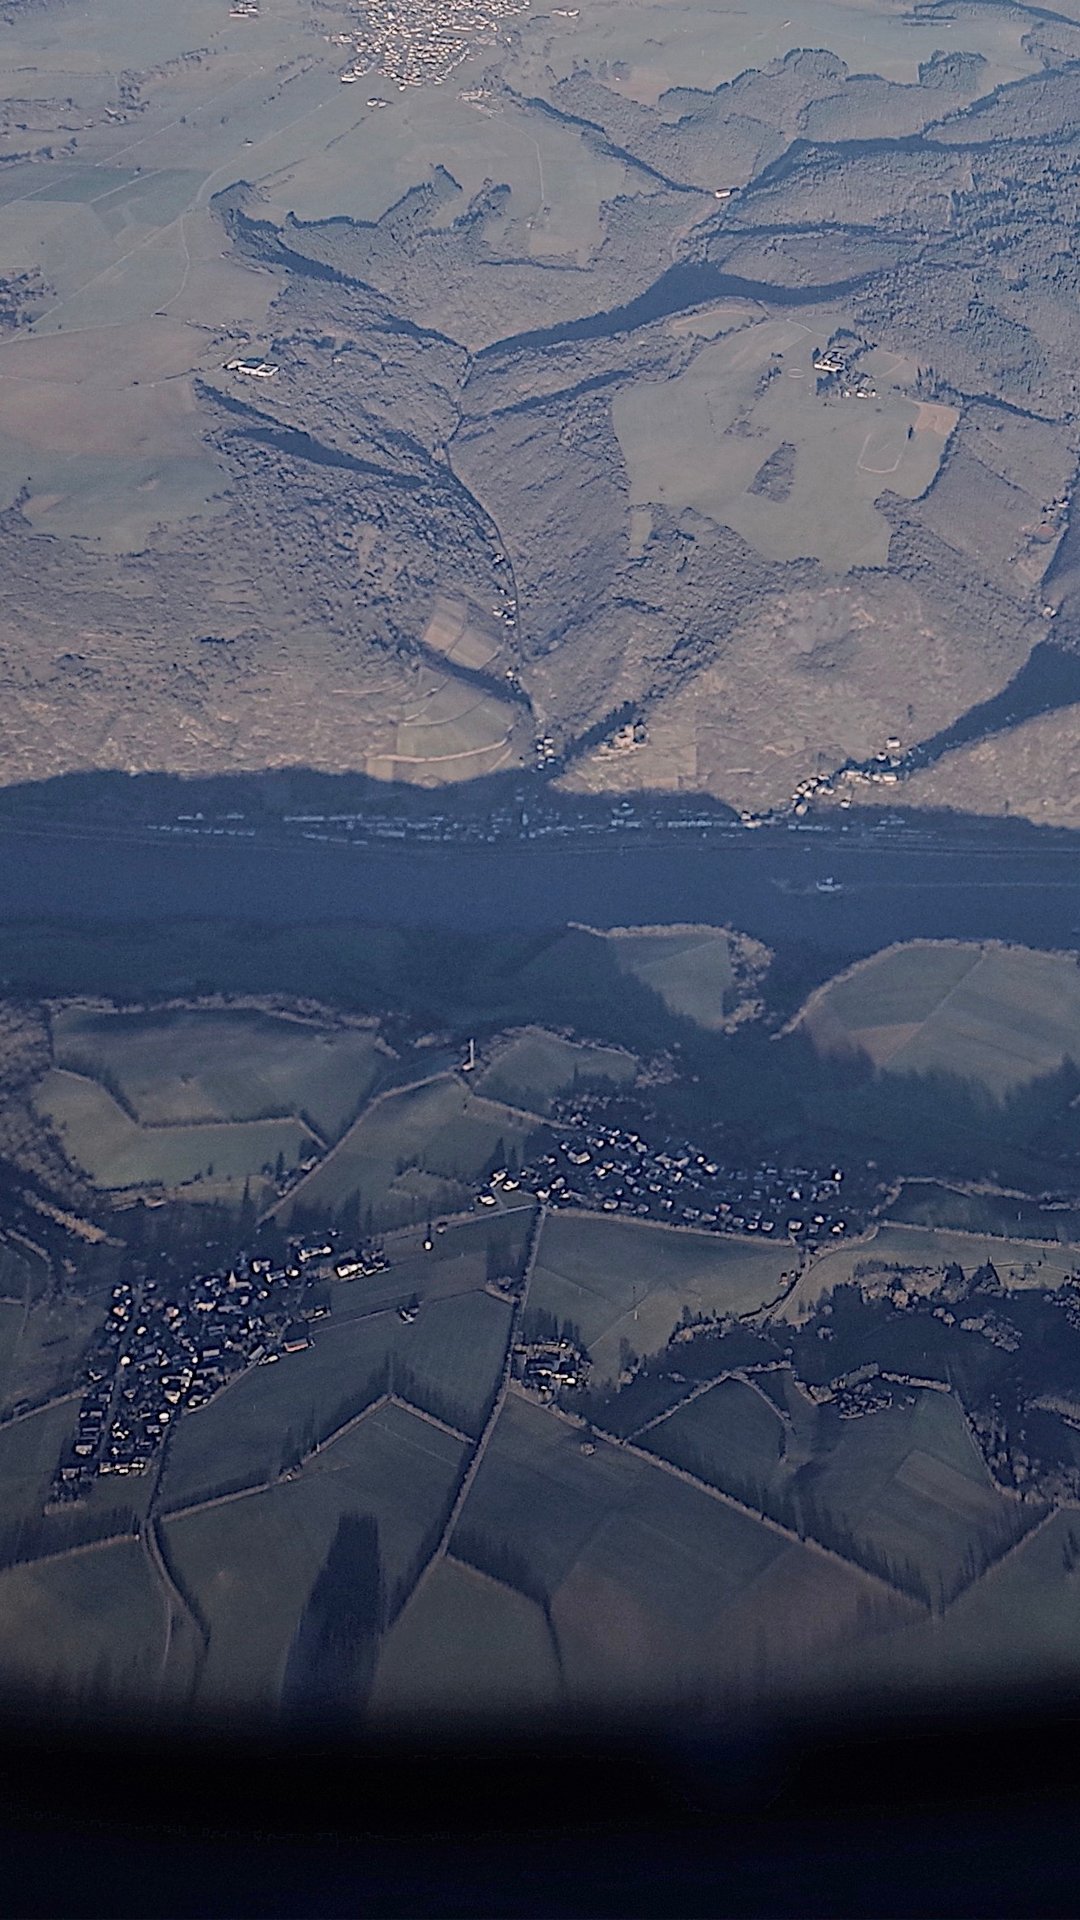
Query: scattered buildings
(592,1162)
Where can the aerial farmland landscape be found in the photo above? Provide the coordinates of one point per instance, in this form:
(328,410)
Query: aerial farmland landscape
(539,901)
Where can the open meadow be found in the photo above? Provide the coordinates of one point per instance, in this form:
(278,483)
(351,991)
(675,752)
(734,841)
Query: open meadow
(250,1563)
(42,1347)
(799,471)
(86,1627)
(115,1151)
(993,1015)
(441,1131)
(208,1064)
(30,1449)
(656,1590)
(534,1066)
(689,967)
(622,1280)
(466,1646)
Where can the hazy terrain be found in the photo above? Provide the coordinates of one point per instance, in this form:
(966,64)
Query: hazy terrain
(708,1335)
(628,361)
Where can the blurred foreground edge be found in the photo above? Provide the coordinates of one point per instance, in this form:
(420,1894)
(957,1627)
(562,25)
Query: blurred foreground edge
(972,1808)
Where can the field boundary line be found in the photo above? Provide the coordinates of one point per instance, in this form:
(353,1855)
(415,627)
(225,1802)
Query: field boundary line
(46,1406)
(288,1474)
(66,1553)
(505,1586)
(750,1513)
(742,1374)
(439,1550)
(432,1419)
(818,993)
(388,1093)
(1038,1526)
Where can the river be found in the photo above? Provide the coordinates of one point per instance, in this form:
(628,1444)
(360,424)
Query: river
(886,886)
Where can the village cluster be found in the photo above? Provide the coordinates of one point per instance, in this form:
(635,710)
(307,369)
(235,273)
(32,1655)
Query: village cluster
(417,46)
(167,1347)
(600,1164)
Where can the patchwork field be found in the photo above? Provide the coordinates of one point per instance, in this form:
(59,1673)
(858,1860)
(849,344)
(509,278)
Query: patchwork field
(204,1064)
(441,1131)
(534,1066)
(997,1016)
(620,1280)
(449,1359)
(116,1151)
(908,1482)
(655,1589)
(250,1563)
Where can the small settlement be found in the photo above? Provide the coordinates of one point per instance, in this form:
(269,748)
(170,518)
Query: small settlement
(165,1348)
(594,1162)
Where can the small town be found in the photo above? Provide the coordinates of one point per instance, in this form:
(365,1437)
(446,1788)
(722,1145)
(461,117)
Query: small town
(421,46)
(595,1163)
(166,1348)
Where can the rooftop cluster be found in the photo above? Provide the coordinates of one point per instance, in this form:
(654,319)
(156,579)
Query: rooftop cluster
(166,1348)
(599,1164)
(416,46)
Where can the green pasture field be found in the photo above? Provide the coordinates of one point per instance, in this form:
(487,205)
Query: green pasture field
(250,1562)
(11,1320)
(689,967)
(15,1274)
(84,1625)
(467,1646)
(454,1348)
(456,1264)
(679,1599)
(443,1128)
(210,1064)
(655,1588)
(115,1151)
(620,1279)
(42,1349)
(30,1452)
(681,451)
(242,1435)
(538,1493)
(911,1482)
(535,1066)
(997,1016)
(1019,1263)
(908,1481)
(1021,1619)
(734,1433)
